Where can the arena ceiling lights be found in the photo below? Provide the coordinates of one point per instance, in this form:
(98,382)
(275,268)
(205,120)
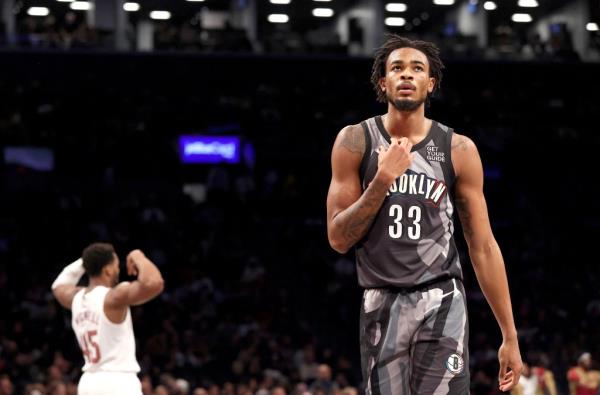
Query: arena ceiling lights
(278,18)
(131,7)
(80,5)
(301,11)
(489,6)
(38,11)
(528,3)
(160,15)
(396,7)
(322,12)
(522,18)
(592,27)
(395,21)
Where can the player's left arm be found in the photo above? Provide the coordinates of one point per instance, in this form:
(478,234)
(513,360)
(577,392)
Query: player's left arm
(517,390)
(485,253)
(550,383)
(574,377)
(65,286)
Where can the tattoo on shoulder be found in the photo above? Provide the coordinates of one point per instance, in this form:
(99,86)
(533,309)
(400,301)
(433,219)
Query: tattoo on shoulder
(460,143)
(353,139)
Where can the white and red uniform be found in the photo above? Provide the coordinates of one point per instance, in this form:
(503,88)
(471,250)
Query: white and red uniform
(108,348)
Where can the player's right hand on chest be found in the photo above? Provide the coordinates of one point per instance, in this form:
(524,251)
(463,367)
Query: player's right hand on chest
(394,161)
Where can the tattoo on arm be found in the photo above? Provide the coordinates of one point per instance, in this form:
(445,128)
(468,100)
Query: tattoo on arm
(353,139)
(465,216)
(460,143)
(357,218)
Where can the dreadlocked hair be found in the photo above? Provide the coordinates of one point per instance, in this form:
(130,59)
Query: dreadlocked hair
(394,42)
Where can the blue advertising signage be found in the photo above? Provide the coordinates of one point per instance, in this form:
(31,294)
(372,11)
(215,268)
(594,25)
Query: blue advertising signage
(209,149)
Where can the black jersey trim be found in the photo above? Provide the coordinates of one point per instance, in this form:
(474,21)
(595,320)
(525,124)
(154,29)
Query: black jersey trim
(415,147)
(367,154)
(450,165)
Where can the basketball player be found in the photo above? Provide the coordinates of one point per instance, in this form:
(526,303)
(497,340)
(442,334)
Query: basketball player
(101,318)
(535,380)
(396,179)
(582,379)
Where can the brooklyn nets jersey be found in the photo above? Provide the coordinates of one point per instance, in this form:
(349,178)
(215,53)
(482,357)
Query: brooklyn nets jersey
(410,242)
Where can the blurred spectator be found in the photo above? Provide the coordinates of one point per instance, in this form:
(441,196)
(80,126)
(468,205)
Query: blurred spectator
(324,382)
(6,386)
(278,391)
(35,389)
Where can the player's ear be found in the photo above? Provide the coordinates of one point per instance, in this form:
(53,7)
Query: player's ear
(382,84)
(107,270)
(431,84)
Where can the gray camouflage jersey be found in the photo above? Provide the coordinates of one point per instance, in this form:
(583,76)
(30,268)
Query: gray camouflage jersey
(410,242)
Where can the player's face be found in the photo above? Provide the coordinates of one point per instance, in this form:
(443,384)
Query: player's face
(407,82)
(586,362)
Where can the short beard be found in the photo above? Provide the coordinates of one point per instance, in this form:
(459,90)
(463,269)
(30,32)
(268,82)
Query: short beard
(407,105)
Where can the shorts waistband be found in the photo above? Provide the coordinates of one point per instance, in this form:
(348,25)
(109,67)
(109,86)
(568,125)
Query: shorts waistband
(445,283)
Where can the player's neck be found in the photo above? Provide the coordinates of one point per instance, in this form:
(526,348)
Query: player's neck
(99,281)
(406,123)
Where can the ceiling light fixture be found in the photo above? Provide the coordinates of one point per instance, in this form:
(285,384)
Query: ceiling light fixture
(395,7)
(278,18)
(160,15)
(521,18)
(395,21)
(489,6)
(131,7)
(38,11)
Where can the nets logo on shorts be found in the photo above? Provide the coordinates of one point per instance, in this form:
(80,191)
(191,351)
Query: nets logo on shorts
(455,364)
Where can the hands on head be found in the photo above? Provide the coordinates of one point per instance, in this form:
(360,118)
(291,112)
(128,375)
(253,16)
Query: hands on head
(133,260)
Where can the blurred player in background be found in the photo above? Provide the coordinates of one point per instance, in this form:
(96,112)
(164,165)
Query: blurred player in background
(582,379)
(101,317)
(535,380)
(547,384)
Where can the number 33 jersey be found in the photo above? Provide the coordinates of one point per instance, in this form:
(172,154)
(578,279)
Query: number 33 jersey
(106,346)
(410,242)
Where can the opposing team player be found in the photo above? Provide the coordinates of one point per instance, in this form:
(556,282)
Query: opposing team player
(101,317)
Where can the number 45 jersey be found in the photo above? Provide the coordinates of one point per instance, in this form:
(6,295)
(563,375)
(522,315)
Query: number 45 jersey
(106,346)
(410,242)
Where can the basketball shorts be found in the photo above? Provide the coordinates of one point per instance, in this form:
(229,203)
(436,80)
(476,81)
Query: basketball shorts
(109,383)
(415,342)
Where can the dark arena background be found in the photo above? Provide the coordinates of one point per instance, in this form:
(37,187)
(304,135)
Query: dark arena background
(94,101)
